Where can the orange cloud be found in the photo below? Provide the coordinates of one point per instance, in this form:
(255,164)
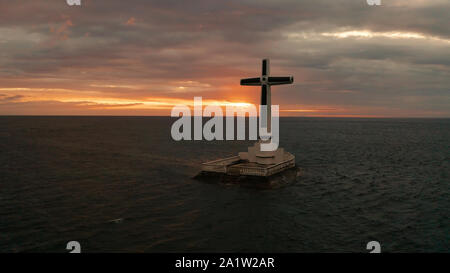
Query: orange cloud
(131,21)
(62,33)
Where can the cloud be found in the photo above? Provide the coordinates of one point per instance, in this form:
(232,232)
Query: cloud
(131,21)
(343,54)
(7,99)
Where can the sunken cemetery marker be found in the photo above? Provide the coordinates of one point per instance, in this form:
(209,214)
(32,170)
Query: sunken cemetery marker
(257,161)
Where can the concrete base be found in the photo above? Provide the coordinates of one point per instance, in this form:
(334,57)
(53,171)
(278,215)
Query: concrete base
(255,155)
(238,165)
(278,180)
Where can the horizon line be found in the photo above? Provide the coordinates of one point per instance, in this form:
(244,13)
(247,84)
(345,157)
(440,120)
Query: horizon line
(337,116)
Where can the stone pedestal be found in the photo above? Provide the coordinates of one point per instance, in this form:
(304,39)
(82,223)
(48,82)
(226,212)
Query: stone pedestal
(255,155)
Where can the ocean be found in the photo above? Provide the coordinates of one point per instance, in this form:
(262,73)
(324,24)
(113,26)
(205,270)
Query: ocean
(121,184)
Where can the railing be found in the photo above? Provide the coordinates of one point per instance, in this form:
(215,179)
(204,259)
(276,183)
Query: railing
(228,166)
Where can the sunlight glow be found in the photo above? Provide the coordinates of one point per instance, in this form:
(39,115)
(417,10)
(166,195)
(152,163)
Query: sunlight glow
(371,34)
(95,100)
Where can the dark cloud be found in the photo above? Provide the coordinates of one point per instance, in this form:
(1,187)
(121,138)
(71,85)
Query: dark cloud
(7,99)
(156,44)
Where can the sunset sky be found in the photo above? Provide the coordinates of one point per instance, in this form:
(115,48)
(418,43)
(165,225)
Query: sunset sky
(142,57)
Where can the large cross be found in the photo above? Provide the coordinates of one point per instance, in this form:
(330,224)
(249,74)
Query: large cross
(265,81)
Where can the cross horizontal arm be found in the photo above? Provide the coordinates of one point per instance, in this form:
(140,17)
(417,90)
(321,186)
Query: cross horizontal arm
(251,81)
(280,80)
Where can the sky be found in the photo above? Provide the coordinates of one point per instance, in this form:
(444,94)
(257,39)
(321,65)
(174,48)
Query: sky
(142,57)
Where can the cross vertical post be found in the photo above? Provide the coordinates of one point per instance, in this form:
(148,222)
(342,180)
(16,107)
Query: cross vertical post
(266,81)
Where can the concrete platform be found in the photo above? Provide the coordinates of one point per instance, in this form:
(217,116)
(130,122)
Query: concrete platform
(236,166)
